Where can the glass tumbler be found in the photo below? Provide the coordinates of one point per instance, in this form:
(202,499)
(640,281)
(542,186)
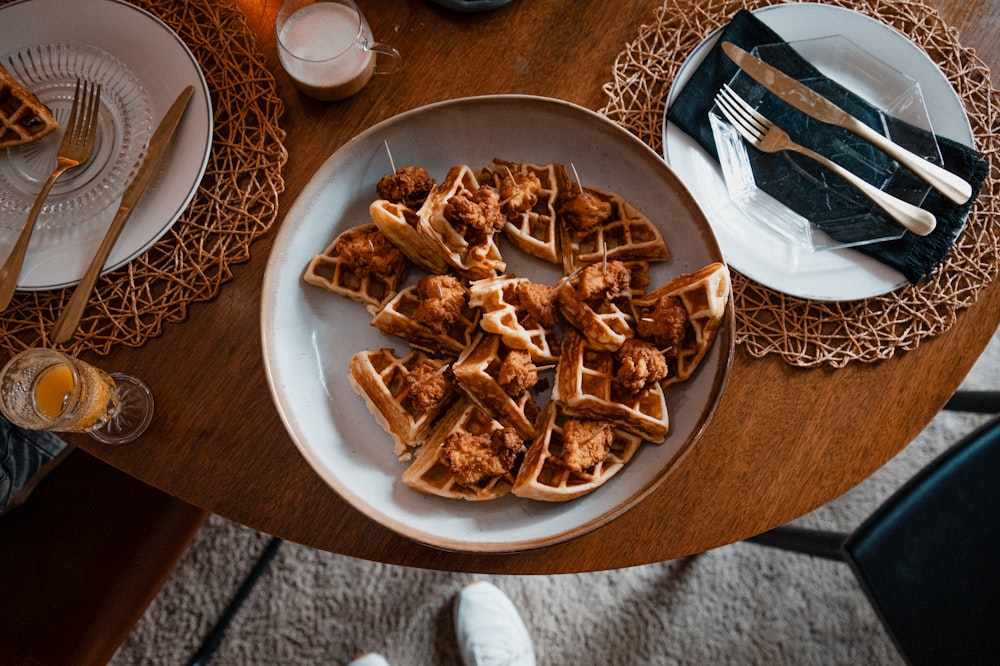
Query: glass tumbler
(43,389)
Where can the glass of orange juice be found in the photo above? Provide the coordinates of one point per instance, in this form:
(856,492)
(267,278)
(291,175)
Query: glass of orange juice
(42,389)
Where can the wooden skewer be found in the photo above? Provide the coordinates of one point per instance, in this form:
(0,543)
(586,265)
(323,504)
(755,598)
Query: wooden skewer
(514,182)
(604,245)
(577,176)
(392,163)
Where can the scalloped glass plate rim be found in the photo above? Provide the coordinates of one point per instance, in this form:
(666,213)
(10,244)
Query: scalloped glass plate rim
(96,195)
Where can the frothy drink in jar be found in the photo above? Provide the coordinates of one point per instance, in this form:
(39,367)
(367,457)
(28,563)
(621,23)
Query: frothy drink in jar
(322,50)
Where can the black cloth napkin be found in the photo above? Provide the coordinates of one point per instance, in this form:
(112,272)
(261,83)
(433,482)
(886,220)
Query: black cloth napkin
(914,256)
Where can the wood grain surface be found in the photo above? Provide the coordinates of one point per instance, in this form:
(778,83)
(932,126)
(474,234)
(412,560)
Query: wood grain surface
(784,441)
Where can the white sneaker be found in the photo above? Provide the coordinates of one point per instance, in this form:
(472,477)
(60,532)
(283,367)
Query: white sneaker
(489,629)
(370,659)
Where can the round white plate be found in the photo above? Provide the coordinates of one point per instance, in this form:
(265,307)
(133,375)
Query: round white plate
(309,334)
(762,254)
(164,66)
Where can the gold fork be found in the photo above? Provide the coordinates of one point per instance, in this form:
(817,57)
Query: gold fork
(74,150)
(768,137)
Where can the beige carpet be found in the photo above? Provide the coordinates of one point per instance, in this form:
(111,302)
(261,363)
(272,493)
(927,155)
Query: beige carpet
(741,604)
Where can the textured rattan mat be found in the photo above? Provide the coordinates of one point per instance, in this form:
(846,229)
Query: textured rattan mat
(236,202)
(812,333)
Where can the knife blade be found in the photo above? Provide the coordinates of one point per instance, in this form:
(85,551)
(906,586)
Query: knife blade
(816,106)
(66,325)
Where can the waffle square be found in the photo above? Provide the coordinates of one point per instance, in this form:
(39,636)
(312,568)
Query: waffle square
(396,318)
(379,376)
(501,315)
(606,323)
(430,473)
(470,261)
(399,224)
(23,117)
(627,236)
(584,384)
(476,372)
(534,230)
(705,295)
(544,476)
(332,272)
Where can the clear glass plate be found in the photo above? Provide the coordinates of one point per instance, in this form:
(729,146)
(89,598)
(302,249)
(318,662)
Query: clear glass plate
(795,196)
(50,72)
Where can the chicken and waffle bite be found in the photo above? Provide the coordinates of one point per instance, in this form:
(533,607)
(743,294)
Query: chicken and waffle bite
(509,385)
(360,264)
(405,395)
(469,455)
(462,218)
(572,457)
(601,226)
(519,311)
(529,200)
(499,379)
(23,117)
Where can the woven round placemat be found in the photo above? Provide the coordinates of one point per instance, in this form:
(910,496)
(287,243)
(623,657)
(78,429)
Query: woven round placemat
(236,202)
(812,333)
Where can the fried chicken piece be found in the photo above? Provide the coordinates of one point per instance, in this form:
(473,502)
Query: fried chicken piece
(442,299)
(488,199)
(536,300)
(664,324)
(517,373)
(639,363)
(585,443)
(519,192)
(475,458)
(608,280)
(476,215)
(368,252)
(584,210)
(428,384)
(408,186)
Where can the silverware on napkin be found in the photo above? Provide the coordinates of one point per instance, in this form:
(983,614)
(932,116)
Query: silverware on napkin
(760,132)
(816,106)
(66,325)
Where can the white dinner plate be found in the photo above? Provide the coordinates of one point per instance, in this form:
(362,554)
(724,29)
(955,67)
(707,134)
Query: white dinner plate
(164,65)
(309,334)
(762,254)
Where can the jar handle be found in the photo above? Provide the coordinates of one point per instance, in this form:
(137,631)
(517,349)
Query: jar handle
(387,59)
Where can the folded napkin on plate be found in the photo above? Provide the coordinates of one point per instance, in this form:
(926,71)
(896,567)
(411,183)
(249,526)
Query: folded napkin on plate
(914,256)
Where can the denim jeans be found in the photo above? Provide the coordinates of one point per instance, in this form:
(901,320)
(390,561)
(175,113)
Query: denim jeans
(24,456)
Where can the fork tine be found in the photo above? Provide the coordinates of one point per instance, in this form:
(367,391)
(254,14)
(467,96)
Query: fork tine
(748,131)
(751,112)
(746,113)
(90,119)
(71,122)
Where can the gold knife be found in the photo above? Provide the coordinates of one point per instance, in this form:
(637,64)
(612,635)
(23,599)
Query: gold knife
(66,325)
(813,104)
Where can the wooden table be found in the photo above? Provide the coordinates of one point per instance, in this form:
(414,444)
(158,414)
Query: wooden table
(785,440)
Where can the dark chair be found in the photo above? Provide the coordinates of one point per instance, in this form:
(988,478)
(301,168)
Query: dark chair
(81,559)
(928,557)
